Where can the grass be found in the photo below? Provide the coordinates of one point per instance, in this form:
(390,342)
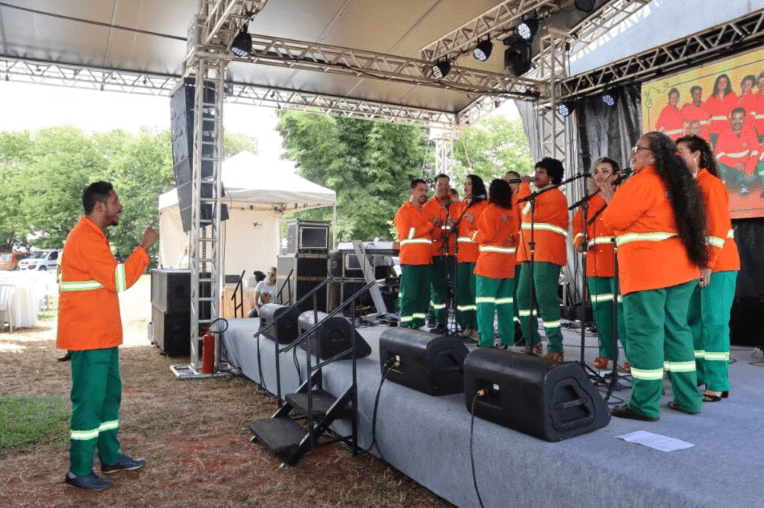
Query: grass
(25,421)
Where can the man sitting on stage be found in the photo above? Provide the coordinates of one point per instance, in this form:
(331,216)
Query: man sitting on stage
(737,152)
(414,229)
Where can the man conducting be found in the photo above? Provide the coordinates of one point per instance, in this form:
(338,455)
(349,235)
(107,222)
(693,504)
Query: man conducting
(90,327)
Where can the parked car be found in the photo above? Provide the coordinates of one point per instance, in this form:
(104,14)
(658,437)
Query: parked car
(41,260)
(10,260)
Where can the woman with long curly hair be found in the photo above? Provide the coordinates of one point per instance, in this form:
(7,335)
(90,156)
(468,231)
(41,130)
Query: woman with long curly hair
(711,301)
(659,225)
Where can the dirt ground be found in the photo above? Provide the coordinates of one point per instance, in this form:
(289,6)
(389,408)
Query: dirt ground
(193,434)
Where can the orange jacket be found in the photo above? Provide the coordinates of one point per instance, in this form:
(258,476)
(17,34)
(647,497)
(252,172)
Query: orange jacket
(414,230)
(719,109)
(550,228)
(601,251)
(88,308)
(670,122)
(732,150)
(720,241)
(497,236)
(523,191)
(650,253)
(466,229)
(433,208)
(690,112)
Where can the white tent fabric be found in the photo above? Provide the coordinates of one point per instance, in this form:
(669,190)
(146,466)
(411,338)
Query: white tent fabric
(259,191)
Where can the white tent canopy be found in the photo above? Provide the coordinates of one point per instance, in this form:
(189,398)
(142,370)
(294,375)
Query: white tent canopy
(258,192)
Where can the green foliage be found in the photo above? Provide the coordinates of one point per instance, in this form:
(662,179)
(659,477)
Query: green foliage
(25,421)
(234,142)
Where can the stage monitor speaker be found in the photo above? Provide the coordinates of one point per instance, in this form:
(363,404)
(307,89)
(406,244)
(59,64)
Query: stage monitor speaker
(547,400)
(332,337)
(429,363)
(285,329)
(182,130)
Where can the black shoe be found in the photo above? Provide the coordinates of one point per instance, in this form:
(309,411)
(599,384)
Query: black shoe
(676,407)
(626,412)
(65,358)
(124,463)
(90,481)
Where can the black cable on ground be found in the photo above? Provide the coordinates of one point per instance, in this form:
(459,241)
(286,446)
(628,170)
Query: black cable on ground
(472,455)
(388,368)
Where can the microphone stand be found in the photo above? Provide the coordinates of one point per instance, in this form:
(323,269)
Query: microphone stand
(445,248)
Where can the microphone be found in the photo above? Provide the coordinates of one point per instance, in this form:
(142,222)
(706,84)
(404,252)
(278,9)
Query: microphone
(481,196)
(625,173)
(514,180)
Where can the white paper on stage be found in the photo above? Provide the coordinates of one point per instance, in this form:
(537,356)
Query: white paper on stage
(662,443)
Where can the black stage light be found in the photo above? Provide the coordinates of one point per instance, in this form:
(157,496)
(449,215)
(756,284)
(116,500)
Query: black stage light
(564,109)
(242,43)
(527,28)
(608,97)
(585,5)
(517,57)
(483,50)
(441,69)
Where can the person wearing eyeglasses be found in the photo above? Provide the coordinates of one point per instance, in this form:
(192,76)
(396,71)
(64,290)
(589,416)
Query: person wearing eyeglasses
(711,302)
(658,220)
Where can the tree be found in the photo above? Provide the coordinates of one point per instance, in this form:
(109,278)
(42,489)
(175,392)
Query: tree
(15,152)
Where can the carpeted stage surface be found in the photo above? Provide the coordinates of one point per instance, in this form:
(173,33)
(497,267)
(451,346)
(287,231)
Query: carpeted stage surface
(428,438)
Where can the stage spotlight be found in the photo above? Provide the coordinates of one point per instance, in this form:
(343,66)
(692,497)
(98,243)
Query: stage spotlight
(527,28)
(564,109)
(585,5)
(517,57)
(242,43)
(609,98)
(441,69)
(483,50)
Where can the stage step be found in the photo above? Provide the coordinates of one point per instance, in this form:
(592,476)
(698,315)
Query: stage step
(322,402)
(281,436)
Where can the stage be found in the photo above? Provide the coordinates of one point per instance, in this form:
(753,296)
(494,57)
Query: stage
(428,438)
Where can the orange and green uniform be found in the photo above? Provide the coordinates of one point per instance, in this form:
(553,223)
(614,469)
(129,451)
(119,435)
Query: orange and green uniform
(690,113)
(414,230)
(497,236)
(443,255)
(600,270)
(656,280)
(467,255)
(550,230)
(523,191)
(719,108)
(90,327)
(709,312)
(670,122)
(733,150)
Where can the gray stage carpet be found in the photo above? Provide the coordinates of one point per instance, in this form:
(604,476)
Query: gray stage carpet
(427,438)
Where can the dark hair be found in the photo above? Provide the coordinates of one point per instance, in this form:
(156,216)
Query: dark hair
(442,175)
(597,162)
(500,194)
(416,181)
(259,276)
(512,172)
(686,199)
(93,193)
(707,159)
(553,168)
(727,90)
(739,109)
(478,188)
(695,87)
(749,77)
(673,90)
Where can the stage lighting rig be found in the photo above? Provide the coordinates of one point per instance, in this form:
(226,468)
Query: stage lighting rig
(564,109)
(527,28)
(482,51)
(441,69)
(242,43)
(608,97)
(517,56)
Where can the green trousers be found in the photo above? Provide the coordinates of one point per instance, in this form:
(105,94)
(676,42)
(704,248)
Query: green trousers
(442,268)
(494,297)
(709,318)
(545,282)
(96,395)
(601,290)
(465,299)
(415,285)
(659,338)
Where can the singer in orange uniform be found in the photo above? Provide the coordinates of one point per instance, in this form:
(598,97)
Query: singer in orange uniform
(90,327)
(497,235)
(468,213)
(657,216)
(670,120)
(600,261)
(550,229)
(719,105)
(439,211)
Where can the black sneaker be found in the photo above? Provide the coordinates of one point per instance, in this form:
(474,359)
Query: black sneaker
(124,463)
(90,481)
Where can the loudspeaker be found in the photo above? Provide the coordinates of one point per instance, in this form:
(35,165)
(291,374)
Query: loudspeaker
(307,272)
(307,236)
(428,363)
(171,332)
(285,329)
(182,133)
(547,400)
(171,292)
(332,337)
